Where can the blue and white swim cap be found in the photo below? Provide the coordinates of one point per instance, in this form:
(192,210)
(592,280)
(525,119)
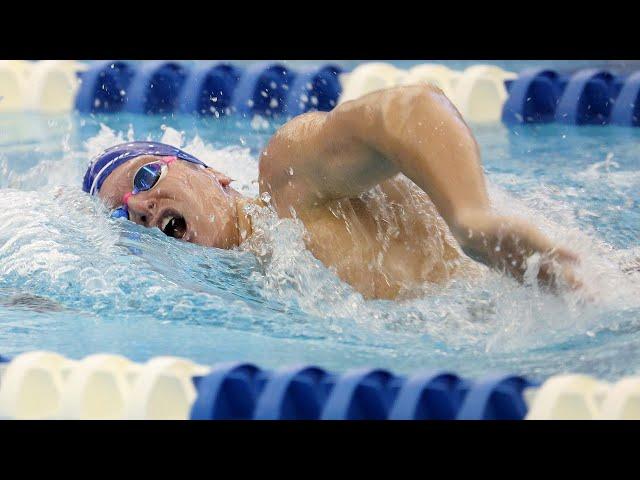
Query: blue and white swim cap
(104,164)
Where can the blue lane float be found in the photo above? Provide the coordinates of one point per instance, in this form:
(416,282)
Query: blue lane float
(586,97)
(296,393)
(429,396)
(263,89)
(533,97)
(155,88)
(241,391)
(229,392)
(104,87)
(361,395)
(495,398)
(626,110)
(207,88)
(316,89)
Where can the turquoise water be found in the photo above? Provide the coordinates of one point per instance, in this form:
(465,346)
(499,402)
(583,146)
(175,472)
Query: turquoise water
(74,281)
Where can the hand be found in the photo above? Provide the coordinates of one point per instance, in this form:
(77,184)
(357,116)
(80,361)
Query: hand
(557,265)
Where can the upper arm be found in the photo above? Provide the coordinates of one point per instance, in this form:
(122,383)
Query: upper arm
(415,130)
(317,157)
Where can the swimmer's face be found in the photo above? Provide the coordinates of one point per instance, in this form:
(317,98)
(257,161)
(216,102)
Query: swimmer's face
(189,202)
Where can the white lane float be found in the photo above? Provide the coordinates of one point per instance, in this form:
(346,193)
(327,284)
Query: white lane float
(623,400)
(434,74)
(32,386)
(52,85)
(44,86)
(164,389)
(567,397)
(12,80)
(479,91)
(369,77)
(45,385)
(98,388)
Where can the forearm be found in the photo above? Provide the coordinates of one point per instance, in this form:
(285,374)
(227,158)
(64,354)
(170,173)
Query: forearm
(506,244)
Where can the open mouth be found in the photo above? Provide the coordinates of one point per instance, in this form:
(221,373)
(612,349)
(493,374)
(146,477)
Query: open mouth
(173,225)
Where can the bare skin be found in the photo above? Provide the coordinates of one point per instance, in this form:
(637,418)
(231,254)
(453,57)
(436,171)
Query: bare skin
(386,186)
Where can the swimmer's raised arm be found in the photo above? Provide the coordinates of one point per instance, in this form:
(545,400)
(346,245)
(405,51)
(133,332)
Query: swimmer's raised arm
(414,130)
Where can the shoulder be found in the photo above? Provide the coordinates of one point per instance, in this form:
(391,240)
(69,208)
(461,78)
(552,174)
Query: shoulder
(297,139)
(295,133)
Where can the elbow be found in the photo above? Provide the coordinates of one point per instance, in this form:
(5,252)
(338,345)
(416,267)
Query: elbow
(423,96)
(415,110)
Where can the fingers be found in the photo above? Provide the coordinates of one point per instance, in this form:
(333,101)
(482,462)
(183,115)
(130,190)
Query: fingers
(557,273)
(565,255)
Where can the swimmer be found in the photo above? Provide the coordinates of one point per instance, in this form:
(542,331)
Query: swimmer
(389,188)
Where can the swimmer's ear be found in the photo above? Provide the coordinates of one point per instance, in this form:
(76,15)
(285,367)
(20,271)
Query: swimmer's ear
(223,179)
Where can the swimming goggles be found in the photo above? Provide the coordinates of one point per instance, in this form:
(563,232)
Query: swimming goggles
(147,177)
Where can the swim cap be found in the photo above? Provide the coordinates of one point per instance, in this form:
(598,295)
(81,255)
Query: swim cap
(105,163)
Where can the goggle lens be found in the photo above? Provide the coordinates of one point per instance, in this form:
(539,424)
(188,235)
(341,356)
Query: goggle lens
(147,176)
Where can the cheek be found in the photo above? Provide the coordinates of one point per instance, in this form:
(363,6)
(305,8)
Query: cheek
(110,200)
(211,212)
(206,218)
(220,219)
(208,201)
(221,225)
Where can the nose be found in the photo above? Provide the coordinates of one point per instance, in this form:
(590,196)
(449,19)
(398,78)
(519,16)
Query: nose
(141,210)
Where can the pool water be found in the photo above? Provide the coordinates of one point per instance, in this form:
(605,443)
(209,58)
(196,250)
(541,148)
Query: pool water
(74,281)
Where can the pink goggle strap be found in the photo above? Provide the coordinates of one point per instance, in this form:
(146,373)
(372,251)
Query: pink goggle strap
(126,197)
